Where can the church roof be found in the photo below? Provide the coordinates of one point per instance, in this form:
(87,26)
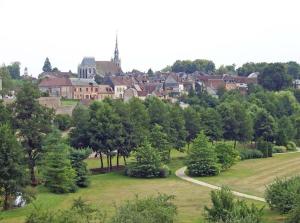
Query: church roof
(107,68)
(88,61)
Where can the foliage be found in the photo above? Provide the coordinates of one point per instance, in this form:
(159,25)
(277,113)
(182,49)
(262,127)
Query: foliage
(159,209)
(250,154)
(264,126)
(57,171)
(227,155)
(6,81)
(80,212)
(11,165)
(282,194)
(211,124)
(291,146)
(274,77)
(192,123)
(77,157)
(279,149)
(32,122)
(5,114)
(294,215)
(47,65)
(228,210)
(188,66)
(63,122)
(285,131)
(14,70)
(265,147)
(159,140)
(147,162)
(202,159)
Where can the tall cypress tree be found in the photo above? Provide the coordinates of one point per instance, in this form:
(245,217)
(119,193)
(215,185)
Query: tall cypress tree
(47,65)
(11,165)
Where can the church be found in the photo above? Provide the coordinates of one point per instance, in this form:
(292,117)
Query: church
(89,67)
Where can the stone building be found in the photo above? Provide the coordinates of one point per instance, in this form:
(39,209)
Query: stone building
(89,67)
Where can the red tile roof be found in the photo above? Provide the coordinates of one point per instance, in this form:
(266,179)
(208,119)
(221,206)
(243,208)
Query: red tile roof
(55,81)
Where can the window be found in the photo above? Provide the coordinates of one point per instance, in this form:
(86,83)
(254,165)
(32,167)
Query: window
(80,89)
(87,89)
(87,96)
(74,89)
(96,89)
(90,70)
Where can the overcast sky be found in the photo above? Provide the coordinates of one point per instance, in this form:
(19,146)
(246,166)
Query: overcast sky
(152,33)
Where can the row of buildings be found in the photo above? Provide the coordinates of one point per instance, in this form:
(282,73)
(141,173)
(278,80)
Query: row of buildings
(116,84)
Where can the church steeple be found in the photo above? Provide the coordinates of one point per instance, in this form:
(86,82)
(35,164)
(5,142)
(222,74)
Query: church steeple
(116,59)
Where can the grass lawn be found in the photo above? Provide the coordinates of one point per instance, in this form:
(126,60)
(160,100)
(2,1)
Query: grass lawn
(69,102)
(109,189)
(252,176)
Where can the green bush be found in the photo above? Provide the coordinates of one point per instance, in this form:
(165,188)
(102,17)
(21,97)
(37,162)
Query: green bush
(225,209)
(294,215)
(62,122)
(291,146)
(148,163)
(164,171)
(202,159)
(265,147)
(250,154)
(279,149)
(157,209)
(227,155)
(282,194)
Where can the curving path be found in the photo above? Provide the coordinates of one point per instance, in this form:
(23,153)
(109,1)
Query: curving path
(181,174)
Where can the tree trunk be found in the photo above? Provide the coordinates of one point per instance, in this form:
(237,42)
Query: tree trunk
(188,146)
(107,161)
(5,202)
(125,160)
(110,162)
(101,160)
(118,158)
(234,144)
(32,173)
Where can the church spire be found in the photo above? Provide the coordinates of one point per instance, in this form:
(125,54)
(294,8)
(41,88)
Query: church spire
(117,60)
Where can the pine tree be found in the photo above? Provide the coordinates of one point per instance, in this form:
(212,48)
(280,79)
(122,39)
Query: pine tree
(58,174)
(77,157)
(11,165)
(202,159)
(47,65)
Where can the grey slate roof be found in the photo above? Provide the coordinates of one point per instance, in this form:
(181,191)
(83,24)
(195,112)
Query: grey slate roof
(82,82)
(88,61)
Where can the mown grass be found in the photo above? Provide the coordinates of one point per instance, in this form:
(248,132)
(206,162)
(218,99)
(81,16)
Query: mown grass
(69,102)
(108,190)
(252,176)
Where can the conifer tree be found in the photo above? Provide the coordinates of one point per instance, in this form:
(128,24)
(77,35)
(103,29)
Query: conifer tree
(202,159)
(47,65)
(11,165)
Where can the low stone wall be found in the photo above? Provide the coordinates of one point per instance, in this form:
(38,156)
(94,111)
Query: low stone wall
(65,110)
(50,102)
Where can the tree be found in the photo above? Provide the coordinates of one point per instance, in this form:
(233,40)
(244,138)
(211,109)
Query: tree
(14,70)
(57,171)
(77,157)
(202,159)
(11,165)
(47,65)
(177,133)
(158,209)
(5,114)
(228,210)
(211,124)
(192,124)
(227,155)
(264,126)
(236,121)
(285,132)
(274,77)
(79,137)
(150,72)
(32,122)
(159,140)
(6,81)
(147,162)
(62,121)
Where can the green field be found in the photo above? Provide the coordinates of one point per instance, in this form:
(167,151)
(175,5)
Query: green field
(252,176)
(106,190)
(69,102)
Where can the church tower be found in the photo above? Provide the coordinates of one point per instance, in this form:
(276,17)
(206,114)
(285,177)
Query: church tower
(116,59)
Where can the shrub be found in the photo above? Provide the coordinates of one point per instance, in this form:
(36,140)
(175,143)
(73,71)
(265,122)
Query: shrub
(291,146)
(157,209)
(227,155)
(282,194)
(202,159)
(63,122)
(164,171)
(250,154)
(294,215)
(148,163)
(265,147)
(226,209)
(279,149)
